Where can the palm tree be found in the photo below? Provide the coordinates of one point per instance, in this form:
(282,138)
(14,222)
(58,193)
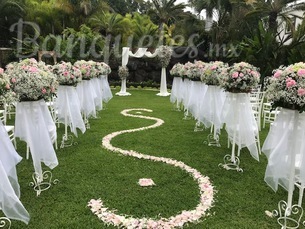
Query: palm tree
(272,10)
(110,25)
(166,12)
(10,12)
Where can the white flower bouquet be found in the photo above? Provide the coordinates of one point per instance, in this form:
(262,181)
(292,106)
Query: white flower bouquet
(31,81)
(194,70)
(123,72)
(5,88)
(102,69)
(286,87)
(213,71)
(87,69)
(164,55)
(177,70)
(67,74)
(241,78)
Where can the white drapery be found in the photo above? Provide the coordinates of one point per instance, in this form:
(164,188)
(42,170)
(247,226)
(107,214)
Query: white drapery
(9,186)
(240,122)
(285,150)
(86,95)
(142,52)
(69,110)
(35,126)
(9,201)
(212,105)
(106,91)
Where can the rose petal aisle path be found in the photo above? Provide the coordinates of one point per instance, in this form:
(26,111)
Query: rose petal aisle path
(186,216)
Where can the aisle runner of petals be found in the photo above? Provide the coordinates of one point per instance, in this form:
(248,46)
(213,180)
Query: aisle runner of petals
(186,216)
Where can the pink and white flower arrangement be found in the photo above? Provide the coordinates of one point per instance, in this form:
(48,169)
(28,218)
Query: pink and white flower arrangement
(193,71)
(102,69)
(206,190)
(213,71)
(67,74)
(242,77)
(123,72)
(5,86)
(177,70)
(164,55)
(286,88)
(146,182)
(87,69)
(31,80)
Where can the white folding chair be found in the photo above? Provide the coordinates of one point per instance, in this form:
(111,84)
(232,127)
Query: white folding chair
(269,115)
(52,108)
(256,100)
(9,128)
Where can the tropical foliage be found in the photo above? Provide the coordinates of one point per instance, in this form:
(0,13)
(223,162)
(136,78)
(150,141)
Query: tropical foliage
(233,30)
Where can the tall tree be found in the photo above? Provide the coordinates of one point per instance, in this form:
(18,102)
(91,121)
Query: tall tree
(272,10)
(166,12)
(10,12)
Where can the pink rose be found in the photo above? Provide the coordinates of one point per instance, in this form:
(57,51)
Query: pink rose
(290,82)
(235,75)
(7,86)
(277,74)
(301,72)
(66,73)
(33,69)
(301,92)
(1,71)
(145,182)
(13,80)
(43,91)
(213,67)
(241,74)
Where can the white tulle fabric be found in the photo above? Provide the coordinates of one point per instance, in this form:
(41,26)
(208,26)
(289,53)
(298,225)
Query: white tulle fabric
(98,101)
(196,95)
(212,106)
(284,141)
(35,126)
(9,158)
(186,92)
(86,95)
(9,201)
(240,122)
(176,90)
(106,91)
(69,110)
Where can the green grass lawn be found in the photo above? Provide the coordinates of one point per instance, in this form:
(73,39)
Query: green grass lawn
(88,171)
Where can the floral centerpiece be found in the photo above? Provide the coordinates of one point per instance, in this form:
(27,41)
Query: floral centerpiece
(67,74)
(102,69)
(31,81)
(5,88)
(87,69)
(195,70)
(185,69)
(164,55)
(286,88)
(123,72)
(241,78)
(213,71)
(177,70)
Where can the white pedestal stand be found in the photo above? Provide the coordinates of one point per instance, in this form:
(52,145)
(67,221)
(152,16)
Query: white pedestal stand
(289,216)
(231,162)
(163,85)
(33,120)
(123,89)
(67,139)
(5,222)
(213,137)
